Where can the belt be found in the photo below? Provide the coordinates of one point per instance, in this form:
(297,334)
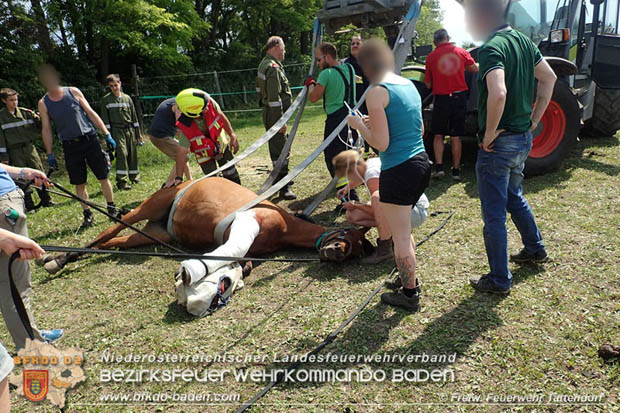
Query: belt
(508,133)
(80,138)
(455,93)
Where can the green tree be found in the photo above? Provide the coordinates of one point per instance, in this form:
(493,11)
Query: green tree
(429,21)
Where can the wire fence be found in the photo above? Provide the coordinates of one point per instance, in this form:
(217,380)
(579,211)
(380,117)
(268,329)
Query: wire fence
(235,90)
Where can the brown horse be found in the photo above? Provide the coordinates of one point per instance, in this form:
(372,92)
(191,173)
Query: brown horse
(206,203)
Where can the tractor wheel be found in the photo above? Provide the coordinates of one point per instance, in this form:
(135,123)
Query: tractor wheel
(557,132)
(605,119)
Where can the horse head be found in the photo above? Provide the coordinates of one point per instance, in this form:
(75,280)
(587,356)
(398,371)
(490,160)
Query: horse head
(342,244)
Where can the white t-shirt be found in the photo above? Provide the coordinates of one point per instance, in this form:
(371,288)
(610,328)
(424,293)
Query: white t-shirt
(373,169)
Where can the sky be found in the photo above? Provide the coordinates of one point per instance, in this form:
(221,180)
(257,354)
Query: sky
(454,21)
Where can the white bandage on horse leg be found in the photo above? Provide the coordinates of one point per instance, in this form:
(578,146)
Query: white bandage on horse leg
(243,231)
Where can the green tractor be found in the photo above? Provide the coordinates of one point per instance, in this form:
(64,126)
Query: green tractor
(579,38)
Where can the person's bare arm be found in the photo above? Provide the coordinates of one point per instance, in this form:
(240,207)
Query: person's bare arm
(496,101)
(30,174)
(546,81)
(378,135)
(92,115)
(234,142)
(315,92)
(181,159)
(472,68)
(28,249)
(46,127)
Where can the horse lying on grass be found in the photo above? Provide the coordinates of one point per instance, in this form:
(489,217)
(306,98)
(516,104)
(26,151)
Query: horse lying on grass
(264,229)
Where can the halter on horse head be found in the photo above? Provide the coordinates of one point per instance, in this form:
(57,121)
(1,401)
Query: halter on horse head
(341,244)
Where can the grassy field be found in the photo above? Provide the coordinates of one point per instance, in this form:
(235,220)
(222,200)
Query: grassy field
(540,339)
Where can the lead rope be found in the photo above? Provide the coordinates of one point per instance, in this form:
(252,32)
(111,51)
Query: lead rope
(17,299)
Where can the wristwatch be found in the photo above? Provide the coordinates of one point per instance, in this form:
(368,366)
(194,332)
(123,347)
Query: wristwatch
(179,178)
(22,174)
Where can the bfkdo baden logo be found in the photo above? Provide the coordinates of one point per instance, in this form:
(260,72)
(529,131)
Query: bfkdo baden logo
(36,384)
(44,372)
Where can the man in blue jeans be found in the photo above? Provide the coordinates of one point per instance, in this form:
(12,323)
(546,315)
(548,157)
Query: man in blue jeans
(509,66)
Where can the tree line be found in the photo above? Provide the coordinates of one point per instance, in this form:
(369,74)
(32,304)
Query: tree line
(87,39)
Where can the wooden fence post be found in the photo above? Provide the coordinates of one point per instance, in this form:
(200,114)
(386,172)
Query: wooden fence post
(219,90)
(136,97)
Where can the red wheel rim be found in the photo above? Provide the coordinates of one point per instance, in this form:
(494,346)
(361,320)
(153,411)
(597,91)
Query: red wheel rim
(553,128)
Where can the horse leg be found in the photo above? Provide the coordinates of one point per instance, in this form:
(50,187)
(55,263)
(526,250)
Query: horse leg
(155,229)
(154,208)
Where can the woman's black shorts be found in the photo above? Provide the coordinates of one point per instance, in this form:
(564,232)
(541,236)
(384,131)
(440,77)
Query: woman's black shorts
(405,183)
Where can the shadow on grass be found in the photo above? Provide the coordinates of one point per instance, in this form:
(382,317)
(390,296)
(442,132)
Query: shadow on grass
(452,333)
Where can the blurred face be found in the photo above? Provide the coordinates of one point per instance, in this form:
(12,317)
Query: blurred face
(49,78)
(356,43)
(11,102)
(476,23)
(115,86)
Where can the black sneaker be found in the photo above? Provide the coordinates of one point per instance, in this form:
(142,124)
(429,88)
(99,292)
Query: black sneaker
(287,193)
(456,174)
(89,219)
(524,256)
(114,211)
(399,299)
(438,172)
(485,285)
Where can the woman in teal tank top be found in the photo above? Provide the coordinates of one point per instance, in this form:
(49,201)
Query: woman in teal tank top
(394,126)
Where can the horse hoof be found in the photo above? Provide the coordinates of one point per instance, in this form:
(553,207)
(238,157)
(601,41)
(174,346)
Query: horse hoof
(43,260)
(52,267)
(247,269)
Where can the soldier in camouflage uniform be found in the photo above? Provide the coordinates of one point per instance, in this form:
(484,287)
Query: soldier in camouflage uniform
(119,115)
(19,128)
(275,98)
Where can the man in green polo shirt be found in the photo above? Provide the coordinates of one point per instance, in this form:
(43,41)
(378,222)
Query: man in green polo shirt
(510,64)
(19,128)
(335,84)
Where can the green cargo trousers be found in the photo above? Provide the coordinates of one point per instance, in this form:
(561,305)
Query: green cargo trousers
(276,144)
(229,173)
(126,154)
(21,274)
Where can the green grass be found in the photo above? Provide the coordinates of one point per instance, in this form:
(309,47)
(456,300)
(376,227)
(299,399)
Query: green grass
(542,338)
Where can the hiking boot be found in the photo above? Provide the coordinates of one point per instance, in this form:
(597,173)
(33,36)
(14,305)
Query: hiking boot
(46,201)
(456,174)
(28,202)
(399,299)
(287,193)
(485,285)
(524,256)
(89,219)
(396,283)
(135,180)
(383,252)
(123,186)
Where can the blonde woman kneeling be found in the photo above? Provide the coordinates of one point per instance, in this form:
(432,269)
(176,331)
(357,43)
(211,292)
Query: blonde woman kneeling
(351,165)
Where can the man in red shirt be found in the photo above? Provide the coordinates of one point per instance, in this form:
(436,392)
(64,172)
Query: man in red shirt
(445,74)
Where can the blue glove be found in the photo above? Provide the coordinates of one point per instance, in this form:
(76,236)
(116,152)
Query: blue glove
(111,142)
(51,161)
